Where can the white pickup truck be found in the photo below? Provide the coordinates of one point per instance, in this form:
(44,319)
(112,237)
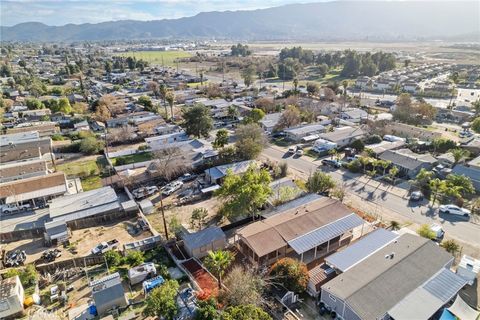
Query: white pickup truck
(13,208)
(105,246)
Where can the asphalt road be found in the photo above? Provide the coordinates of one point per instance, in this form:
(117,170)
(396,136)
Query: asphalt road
(419,213)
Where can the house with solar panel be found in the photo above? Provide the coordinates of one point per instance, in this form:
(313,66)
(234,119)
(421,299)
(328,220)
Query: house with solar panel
(307,231)
(403,277)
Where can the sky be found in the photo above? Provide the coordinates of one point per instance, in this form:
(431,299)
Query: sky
(61,12)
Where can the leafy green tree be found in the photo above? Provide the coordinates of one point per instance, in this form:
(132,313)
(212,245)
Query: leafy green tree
(108,66)
(221,138)
(64,106)
(147,103)
(34,104)
(197,219)
(250,141)
(255,116)
(207,310)
(161,302)
(426,232)
(451,246)
(198,121)
(240,50)
(245,312)
(320,182)
(113,257)
(423,178)
(394,225)
(291,274)
(358,145)
(393,172)
(90,145)
(244,194)
(459,185)
(475,125)
(218,262)
(28,275)
(442,145)
(134,258)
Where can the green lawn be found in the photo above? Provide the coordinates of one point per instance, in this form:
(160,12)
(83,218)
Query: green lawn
(157,57)
(89,172)
(133,158)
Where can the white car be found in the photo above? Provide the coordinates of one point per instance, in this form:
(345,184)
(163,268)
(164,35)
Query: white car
(299,153)
(453,209)
(292,150)
(144,192)
(12,208)
(172,187)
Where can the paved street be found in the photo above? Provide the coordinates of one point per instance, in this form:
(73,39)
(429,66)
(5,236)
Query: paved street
(383,197)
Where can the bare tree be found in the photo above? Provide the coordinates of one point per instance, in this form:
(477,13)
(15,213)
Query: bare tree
(169,163)
(125,133)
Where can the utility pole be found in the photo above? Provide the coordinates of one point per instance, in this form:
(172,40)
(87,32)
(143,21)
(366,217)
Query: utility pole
(163,216)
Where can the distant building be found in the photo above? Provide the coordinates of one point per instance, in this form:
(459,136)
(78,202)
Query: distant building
(270,120)
(344,136)
(216,174)
(408,162)
(108,293)
(299,132)
(11,298)
(22,170)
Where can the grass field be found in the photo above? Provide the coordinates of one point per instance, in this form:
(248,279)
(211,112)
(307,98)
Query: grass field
(133,158)
(157,57)
(87,170)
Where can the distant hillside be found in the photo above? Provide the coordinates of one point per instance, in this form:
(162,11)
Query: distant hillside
(339,20)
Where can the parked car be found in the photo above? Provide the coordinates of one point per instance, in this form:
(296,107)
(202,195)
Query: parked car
(331,163)
(105,246)
(299,152)
(144,192)
(13,208)
(416,196)
(439,233)
(455,210)
(188,177)
(291,150)
(172,187)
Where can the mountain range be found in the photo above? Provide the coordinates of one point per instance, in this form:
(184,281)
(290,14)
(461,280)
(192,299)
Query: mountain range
(327,21)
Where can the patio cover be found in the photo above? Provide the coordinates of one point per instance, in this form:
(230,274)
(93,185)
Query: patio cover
(462,310)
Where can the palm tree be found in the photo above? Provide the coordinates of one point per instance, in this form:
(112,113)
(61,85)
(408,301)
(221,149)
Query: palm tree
(393,173)
(170,97)
(458,154)
(218,262)
(333,153)
(163,93)
(364,161)
(385,164)
(394,225)
(345,86)
(437,186)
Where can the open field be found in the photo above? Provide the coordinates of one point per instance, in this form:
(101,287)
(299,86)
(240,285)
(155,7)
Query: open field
(133,158)
(157,57)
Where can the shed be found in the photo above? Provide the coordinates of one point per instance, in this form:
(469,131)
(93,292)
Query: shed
(56,232)
(11,297)
(147,206)
(199,243)
(108,293)
(468,268)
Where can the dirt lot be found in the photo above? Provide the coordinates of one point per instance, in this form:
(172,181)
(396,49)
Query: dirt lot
(82,240)
(184,212)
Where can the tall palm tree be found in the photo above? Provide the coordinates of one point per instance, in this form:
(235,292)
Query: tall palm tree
(364,161)
(218,262)
(458,154)
(437,186)
(385,164)
(394,225)
(170,97)
(163,93)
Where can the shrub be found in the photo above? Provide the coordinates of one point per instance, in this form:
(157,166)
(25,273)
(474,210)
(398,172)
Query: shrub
(134,258)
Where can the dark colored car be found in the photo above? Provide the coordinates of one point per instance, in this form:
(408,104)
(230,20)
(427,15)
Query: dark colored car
(331,163)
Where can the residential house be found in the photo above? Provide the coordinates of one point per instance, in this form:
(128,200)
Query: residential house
(61,118)
(408,131)
(297,133)
(306,232)
(408,162)
(166,141)
(345,259)
(411,87)
(11,298)
(383,146)
(12,138)
(81,126)
(354,115)
(270,120)
(363,83)
(216,174)
(37,190)
(108,293)
(446,159)
(344,136)
(82,205)
(22,170)
(131,118)
(198,244)
(26,150)
(471,170)
(44,129)
(472,145)
(407,279)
